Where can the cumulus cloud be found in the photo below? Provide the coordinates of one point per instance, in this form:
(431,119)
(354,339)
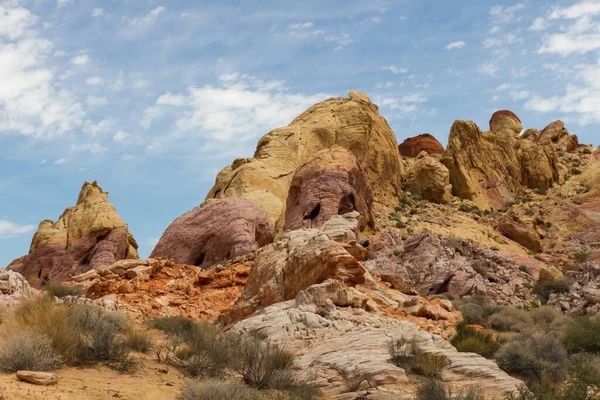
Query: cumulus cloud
(121,136)
(538,24)
(241,107)
(455,45)
(505,15)
(60,161)
(341,40)
(407,103)
(97,12)
(93,148)
(94,80)
(31,103)
(96,102)
(586,8)
(9,229)
(578,32)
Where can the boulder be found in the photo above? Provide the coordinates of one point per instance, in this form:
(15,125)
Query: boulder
(38,378)
(520,232)
(538,162)
(429,179)
(505,122)
(331,183)
(353,123)
(550,274)
(214,232)
(412,146)
(89,235)
(299,259)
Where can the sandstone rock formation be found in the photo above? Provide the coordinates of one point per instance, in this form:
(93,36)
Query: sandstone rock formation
(332,342)
(38,377)
(331,183)
(412,146)
(517,230)
(89,235)
(491,168)
(429,179)
(430,264)
(302,258)
(557,133)
(353,123)
(214,232)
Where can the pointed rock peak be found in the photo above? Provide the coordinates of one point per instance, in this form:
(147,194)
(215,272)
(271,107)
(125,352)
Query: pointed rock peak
(90,190)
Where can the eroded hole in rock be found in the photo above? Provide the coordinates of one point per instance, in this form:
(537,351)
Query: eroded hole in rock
(347,204)
(200,260)
(314,213)
(443,288)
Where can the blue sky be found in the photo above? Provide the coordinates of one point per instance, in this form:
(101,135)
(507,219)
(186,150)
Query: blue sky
(153,98)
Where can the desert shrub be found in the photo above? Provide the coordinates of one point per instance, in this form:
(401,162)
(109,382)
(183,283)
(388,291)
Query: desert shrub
(529,212)
(476,310)
(587,150)
(44,316)
(429,365)
(581,256)
(200,351)
(102,336)
(533,357)
(216,390)
(582,334)
(433,390)
(402,352)
(523,393)
(27,350)
(400,224)
(510,319)
(470,340)
(575,171)
(406,354)
(139,340)
(173,326)
(545,289)
(355,380)
(545,317)
(523,268)
(55,289)
(470,208)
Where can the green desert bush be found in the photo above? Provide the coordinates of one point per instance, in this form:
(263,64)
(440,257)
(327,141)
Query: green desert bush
(139,340)
(406,354)
(582,334)
(216,390)
(435,390)
(27,350)
(470,340)
(173,326)
(55,289)
(510,319)
(545,289)
(533,357)
(581,256)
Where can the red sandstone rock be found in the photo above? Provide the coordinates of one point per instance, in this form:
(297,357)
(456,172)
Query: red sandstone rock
(214,232)
(412,146)
(331,183)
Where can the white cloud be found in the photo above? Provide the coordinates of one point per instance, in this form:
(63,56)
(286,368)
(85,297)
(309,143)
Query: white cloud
(97,12)
(31,103)
(489,69)
(140,84)
(508,39)
(148,19)
(505,15)
(121,136)
(93,148)
(94,80)
(96,102)
(62,3)
(81,59)
(229,77)
(240,109)
(404,104)
(455,45)
(519,73)
(538,24)
(395,70)
(60,161)
(44,161)
(341,40)
(588,8)
(305,25)
(384,85)
(519,95)
(99,128)
(9,229)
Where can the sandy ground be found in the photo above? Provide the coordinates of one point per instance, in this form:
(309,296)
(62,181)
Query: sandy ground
(153,381)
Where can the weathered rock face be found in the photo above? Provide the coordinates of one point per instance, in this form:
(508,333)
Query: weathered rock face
(521,233)
(429,264)
(491,168)
(86,236)
(300,259)
(413,146)
(214,232)
(331,183)
(353,123)
(557,133)
(429,179)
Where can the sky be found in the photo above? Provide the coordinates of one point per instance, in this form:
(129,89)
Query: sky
(153,98)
